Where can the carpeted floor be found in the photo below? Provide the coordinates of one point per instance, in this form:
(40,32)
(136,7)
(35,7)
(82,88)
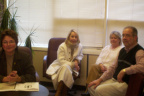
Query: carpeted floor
(79,89)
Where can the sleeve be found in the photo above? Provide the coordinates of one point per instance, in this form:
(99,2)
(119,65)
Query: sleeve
(1,71)
(139,66)
(1,78)
(27,70)
(102,54)
(61,55)
(109,73)
(80,54)
(2,66)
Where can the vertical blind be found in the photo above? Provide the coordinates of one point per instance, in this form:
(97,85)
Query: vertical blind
(55,18)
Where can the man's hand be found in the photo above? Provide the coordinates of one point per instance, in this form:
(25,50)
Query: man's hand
(121,75)
(95,83)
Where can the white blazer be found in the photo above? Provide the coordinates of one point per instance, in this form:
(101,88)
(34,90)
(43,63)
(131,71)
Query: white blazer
(63,57)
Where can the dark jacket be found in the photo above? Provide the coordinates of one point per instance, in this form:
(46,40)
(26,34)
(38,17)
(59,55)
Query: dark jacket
(22,63)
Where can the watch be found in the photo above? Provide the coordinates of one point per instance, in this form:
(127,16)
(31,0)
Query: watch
(124,70)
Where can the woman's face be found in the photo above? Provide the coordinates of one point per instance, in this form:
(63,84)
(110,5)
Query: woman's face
(114,40)
(8,45)
(73,37)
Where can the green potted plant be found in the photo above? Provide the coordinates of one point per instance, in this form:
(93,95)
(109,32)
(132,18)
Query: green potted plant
(28,41)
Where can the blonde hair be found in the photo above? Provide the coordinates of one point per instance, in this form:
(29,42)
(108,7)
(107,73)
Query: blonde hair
(67,39)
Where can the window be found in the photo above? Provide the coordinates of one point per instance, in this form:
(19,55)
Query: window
(93,19)
(31,15)
(122,13)
(55,18)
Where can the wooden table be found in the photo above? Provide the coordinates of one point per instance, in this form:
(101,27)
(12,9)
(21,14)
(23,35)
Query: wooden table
(43,91)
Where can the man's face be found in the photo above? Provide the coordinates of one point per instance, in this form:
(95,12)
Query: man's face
(128,39)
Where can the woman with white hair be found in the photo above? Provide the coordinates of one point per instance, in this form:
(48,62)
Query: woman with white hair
(108,56)
(61,70)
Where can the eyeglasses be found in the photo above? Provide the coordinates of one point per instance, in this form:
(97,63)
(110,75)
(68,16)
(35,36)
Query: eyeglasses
(10,42)
(127,35)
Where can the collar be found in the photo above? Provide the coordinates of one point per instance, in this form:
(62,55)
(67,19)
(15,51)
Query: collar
(128,49)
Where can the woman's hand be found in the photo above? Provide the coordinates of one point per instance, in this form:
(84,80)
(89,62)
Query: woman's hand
(13,77)
(95,83)
(102,67)
(9,77)
(76,65)
(5,79)
(13,73)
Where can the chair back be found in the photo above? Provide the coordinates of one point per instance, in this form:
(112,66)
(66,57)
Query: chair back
(23,49)
(52,49)
(26,50)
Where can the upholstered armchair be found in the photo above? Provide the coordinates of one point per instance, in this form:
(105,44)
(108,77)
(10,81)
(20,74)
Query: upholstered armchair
(53,45)
(135,85)
(51,54)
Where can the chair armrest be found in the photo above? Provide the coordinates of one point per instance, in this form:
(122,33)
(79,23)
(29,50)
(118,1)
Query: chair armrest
(37,77)
(79,70)
(44,65)
(74,76)
(135,85)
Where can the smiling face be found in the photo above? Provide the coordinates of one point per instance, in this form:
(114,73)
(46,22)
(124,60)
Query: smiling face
(129,39)
(114,40)
(73,38)
(9,45)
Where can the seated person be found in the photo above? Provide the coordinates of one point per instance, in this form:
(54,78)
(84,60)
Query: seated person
(61,70)
(107,56)
(15,66)
(114,81)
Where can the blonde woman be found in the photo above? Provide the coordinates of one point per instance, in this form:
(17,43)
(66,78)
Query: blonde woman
(61,70)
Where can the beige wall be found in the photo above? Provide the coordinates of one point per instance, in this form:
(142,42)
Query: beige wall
(38,63)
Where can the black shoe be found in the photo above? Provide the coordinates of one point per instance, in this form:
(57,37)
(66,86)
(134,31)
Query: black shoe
(85,94)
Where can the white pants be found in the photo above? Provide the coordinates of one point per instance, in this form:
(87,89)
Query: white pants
(110,87)
(64,74)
